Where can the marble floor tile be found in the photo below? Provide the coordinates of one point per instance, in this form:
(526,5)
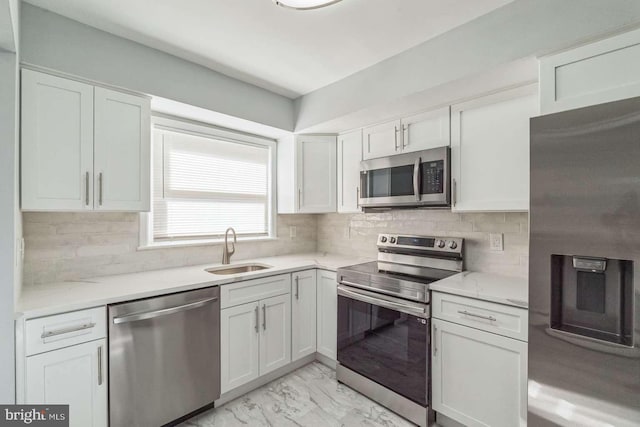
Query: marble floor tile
(308,397)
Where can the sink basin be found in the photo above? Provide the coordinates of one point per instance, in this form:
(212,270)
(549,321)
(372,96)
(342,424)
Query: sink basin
(236,269)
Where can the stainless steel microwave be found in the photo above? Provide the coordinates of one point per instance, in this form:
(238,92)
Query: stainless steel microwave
(419,179)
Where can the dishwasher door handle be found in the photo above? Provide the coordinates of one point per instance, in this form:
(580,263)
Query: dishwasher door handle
(163,312)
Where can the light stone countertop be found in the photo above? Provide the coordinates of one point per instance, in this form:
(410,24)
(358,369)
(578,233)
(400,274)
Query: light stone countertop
(54,298)
(512,291)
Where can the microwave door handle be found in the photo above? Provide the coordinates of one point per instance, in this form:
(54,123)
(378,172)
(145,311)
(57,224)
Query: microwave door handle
(416,178)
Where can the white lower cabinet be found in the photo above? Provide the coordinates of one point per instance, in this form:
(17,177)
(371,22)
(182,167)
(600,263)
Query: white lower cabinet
(327,306)
(479,378)
(303,314)
(275,333)
(255,337)
(75,375)
(239,344)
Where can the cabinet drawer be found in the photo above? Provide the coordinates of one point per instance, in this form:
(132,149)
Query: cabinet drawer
(254,290)
(62,330)
(487,316)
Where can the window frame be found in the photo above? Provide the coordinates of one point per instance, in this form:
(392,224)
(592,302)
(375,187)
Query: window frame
(178,124)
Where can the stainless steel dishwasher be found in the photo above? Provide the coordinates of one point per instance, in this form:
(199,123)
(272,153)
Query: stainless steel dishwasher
(164,357)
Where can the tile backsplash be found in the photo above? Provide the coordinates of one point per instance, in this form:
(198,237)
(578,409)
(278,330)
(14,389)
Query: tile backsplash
(357,233)
(73,246)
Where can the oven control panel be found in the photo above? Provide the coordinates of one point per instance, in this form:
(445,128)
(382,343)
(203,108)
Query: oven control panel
(421,243)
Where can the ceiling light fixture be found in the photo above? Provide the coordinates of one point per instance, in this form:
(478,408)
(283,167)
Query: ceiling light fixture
(305,4)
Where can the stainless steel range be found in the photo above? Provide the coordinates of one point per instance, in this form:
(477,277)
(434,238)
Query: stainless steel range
(384,320)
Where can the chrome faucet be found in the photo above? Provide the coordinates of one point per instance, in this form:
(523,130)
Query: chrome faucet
(226,253)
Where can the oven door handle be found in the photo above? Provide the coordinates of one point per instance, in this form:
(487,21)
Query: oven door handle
(381,301)
(416,178)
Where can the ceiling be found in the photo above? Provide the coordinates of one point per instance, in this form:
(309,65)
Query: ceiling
(286,51)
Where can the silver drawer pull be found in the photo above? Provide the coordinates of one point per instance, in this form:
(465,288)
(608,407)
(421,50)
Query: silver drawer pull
(100,365)
(163,312)
(479,316)
(62,331)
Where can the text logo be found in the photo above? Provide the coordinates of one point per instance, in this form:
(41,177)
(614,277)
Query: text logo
(34,415)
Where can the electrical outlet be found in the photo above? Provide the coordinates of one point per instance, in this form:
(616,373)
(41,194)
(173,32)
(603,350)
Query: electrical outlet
(496,241)
(292,232)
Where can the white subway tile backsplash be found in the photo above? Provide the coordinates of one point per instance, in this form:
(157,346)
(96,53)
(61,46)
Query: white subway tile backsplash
(473,227)
(73,246)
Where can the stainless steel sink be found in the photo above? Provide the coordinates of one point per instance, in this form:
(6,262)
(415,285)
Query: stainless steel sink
(237,269)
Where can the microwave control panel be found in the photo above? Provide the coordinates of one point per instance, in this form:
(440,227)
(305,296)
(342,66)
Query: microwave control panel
(433,177)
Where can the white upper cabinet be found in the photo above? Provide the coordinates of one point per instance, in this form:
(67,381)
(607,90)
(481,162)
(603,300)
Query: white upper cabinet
(57,143)
(605,71)
(307,174)
(382,140)
(490,151)
(122,157)
(83,147)
(426,130)
(349,157)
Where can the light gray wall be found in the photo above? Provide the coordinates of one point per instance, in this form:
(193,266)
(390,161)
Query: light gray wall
(518,30)
(53,41)
(9,274)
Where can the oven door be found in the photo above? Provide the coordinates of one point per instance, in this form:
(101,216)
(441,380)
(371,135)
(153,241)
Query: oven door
(386,340)
(413,179)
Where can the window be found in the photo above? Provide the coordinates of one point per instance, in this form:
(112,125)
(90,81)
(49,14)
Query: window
(206,180)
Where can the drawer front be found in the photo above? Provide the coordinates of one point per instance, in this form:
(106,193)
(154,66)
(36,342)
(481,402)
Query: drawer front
(62,330)
(253,290)
(500,319)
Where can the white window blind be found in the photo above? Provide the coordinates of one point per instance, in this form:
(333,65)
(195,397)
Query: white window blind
(203,185)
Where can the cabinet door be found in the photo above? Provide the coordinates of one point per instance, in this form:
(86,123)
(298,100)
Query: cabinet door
(239,343)
(490,151)
(303,314)
(275,335)
(76,376)
(316,172)
(426,130)
(57,143)
(327,313)
(349,157)
(122,151)
(382,140)
(479,378)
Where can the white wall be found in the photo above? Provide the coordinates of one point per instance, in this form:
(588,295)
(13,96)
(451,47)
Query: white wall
(518,30)
(9,272)
(53,41)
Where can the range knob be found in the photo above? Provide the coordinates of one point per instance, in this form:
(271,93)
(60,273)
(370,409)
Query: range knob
(452,245)
(383,239)
(440,244)
(392,240)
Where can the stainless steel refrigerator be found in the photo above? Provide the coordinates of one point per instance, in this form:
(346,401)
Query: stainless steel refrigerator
(584,268)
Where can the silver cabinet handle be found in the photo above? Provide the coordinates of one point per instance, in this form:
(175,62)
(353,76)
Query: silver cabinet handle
(455,191)
(100,365)
(395,135)
(358,197)
(466,313)
(264,317)
(48,334)
(297,287)
(86,188)
(299,198)
(257,319)
(416,178)
(435,340)
(405,136)
(164,312)
(100,189)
